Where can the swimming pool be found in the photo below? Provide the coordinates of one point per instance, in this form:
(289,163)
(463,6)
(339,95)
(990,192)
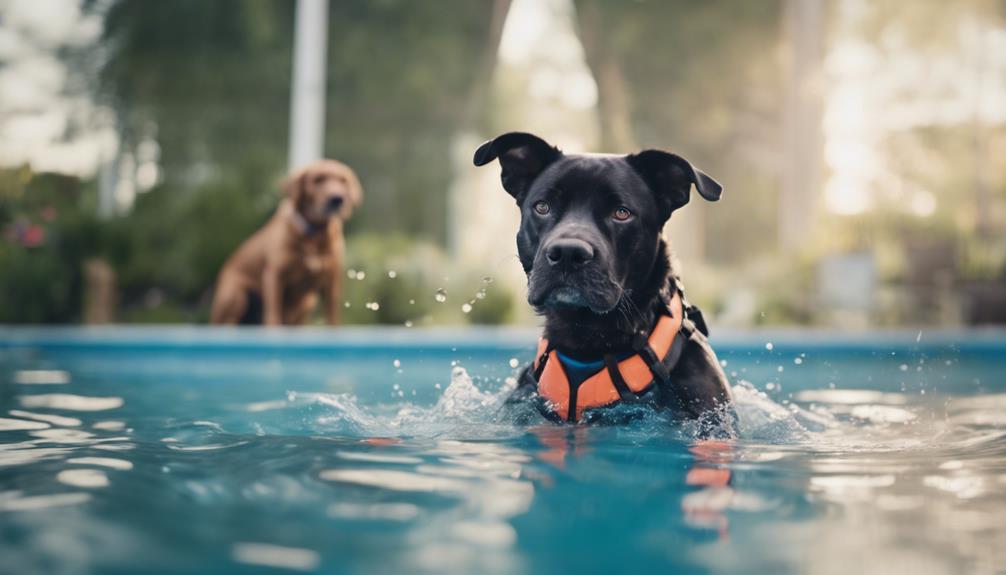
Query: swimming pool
(165,450)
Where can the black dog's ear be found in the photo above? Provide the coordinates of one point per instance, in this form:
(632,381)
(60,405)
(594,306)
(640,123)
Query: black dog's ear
(671,177)
(522,156)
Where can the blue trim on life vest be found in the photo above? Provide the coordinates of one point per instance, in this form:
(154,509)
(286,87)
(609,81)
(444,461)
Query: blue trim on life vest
(579,370)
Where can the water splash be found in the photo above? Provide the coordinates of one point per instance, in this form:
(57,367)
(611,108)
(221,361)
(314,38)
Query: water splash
(759,418)
(462,409)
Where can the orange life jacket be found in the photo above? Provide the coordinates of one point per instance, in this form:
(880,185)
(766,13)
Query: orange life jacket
(623,380)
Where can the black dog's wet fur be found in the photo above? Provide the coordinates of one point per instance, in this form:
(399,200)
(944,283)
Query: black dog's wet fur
(624,285)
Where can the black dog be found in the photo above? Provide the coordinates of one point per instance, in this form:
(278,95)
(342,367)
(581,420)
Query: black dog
(617,329)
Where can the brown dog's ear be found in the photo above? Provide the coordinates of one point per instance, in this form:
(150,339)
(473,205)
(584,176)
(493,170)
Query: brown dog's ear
(522,156)
(671,178)
(294,185)
(353,183)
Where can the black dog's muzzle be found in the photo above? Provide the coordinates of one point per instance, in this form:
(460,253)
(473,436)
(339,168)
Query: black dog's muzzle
(568,254)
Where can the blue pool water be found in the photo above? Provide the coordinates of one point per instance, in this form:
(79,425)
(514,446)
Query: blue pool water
(385,451)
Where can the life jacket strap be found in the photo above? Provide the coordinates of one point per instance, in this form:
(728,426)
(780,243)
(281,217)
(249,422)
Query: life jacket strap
(657,367)
(539,365)
(616,378)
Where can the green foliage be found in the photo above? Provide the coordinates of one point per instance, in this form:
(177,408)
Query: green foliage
(167,253)
(702,79)
(178,244)
(403,277)
(210,81)
(45,239)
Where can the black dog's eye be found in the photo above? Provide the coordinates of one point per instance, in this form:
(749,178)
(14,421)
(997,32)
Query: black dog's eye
(541,207)
(622,214)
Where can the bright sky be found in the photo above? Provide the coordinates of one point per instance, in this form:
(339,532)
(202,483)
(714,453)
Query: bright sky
(538,35)
(34,113)
(874,90)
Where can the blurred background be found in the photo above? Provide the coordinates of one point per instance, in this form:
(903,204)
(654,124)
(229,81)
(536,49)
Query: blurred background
(861,143)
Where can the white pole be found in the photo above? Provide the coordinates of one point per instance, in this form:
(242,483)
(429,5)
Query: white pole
(307,92)
(801,185)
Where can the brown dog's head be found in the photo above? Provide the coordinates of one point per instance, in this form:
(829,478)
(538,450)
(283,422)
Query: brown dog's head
(322,190)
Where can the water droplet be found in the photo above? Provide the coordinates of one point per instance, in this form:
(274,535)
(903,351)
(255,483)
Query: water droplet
(780,369)
(436,386)
(347,304)
(396,387)
(769,346)
(770,386)
(514,362)
(361,275)
(723,362)
(466,308)
(397,363)
(412,302)
(903,367)
(481,294)
(487,280)
(798,360)
(351,273)
(408,323)
(392,274)
(441,295)
(373,306)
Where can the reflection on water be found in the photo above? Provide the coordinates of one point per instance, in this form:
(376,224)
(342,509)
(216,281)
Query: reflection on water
(111,463)
(16,424)
(48,418)
(41,377)
(69,401)
(217,474)
(83,477)
(10,501)
(277,556)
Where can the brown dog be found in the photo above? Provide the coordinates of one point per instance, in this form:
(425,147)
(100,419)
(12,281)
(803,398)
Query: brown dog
(275,275)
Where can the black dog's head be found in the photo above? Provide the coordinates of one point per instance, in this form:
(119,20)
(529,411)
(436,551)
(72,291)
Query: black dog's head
(591,225)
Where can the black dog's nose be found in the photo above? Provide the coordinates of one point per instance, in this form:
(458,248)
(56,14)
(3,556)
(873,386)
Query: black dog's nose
(335,202)
(569,253)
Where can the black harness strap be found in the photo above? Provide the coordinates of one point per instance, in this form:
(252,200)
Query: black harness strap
(574,388)
(541,362)
(616,378)
(657,368)
(660,369)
